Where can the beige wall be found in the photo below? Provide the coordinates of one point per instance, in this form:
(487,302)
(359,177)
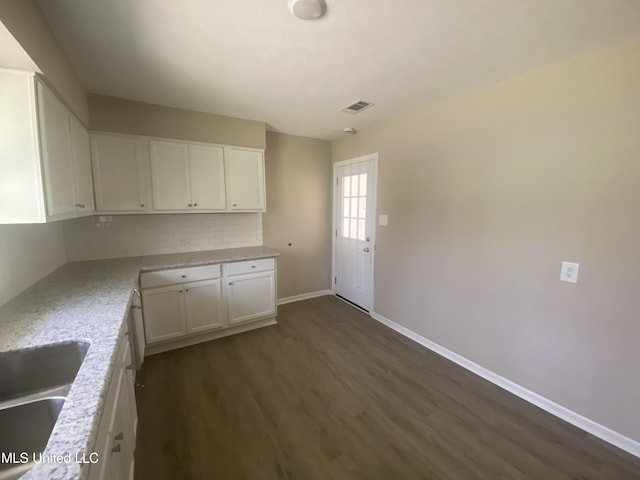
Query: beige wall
(487,193)
(26,23)
(298,177)
(28,253)
(126,116)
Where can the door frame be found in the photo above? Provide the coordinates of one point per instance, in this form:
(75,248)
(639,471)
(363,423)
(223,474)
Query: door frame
(334,223)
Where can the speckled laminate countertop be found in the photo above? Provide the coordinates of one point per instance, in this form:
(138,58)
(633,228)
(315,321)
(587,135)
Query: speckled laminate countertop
(209,257)
(88,301)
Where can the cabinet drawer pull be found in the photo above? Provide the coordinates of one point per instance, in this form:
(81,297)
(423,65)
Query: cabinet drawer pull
(119,436)
(183,276)
(253,266)
(116,448)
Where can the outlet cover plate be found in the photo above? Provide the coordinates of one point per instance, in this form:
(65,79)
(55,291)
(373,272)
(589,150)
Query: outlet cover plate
(569,272)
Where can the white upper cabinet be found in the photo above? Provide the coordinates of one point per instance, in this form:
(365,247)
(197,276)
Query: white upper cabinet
(81,158)
(207,177)
(170,174)
(45,171)
(118,173)
(187,176)
(56,155)
(245,179)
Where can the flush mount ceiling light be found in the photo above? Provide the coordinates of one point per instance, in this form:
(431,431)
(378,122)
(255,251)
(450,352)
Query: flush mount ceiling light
(308,9)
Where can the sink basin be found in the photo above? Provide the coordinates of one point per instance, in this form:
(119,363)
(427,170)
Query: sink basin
(40,372)
(25,432)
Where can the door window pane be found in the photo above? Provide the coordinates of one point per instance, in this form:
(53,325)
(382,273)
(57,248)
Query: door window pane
(354,206)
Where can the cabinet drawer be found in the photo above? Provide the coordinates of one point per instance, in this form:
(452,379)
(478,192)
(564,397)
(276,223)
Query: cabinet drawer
(260,265)
(178,275)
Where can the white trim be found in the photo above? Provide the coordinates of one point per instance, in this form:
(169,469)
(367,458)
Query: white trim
(334,214)
(303,296)
(625,443)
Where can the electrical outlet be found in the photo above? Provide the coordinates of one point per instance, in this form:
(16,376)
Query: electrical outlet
(569,272)
(383,220)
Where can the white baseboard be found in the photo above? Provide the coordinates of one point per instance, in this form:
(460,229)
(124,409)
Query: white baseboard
(303,296)
(625,443)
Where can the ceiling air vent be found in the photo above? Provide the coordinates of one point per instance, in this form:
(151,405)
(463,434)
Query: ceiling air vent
(357,107)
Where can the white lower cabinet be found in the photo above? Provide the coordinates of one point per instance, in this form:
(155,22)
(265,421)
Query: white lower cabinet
(251,296)
(187,305)
(177,310)
(163,313)
(116,440)
(203,305)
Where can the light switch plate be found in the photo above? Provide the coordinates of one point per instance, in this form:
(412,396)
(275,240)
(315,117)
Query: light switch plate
(569,272)
(383,220)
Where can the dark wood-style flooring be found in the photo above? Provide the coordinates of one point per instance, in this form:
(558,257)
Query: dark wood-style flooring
(329,393)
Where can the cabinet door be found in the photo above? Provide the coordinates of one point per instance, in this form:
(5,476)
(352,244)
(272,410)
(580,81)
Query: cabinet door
(170,174)
(163,313)
(250,297)
(118,173)
(206,169)
(81,158)
(204,305)
(245,179)
(56,155)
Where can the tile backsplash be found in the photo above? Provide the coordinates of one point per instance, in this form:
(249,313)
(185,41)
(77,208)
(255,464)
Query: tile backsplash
(133,235)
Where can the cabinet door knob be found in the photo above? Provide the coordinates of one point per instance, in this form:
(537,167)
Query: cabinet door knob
(183,276)
(235,204)
(191,205)
(179,291)
(116,448)
(230,283)
(253,266)
(187,290)
(142,204)
(195,204)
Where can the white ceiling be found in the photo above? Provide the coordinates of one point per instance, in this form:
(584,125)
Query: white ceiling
(253,59)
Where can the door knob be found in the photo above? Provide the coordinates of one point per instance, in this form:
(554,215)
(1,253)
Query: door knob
(365,249)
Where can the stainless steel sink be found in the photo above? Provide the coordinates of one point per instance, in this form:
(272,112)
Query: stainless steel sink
(40,372)
(34,383)
(25,432)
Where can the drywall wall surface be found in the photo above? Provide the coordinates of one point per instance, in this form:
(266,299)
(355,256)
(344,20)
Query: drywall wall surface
(28,26)
(487,193)
(298,178)
(112,114)
(133,235)
(28,253)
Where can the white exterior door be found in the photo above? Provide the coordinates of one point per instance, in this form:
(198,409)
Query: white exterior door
(354,226)
(204,305)
(206,169)
(170,174)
